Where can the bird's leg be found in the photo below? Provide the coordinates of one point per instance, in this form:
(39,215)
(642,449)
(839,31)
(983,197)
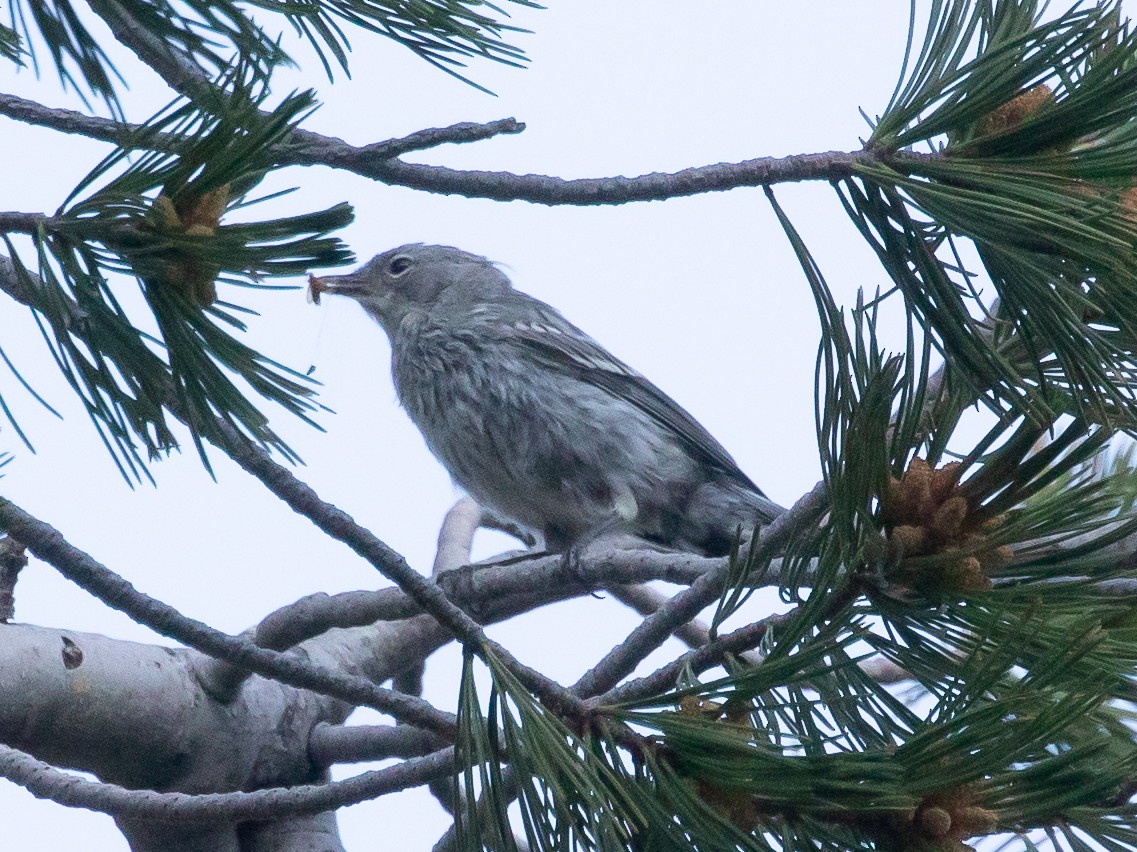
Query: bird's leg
(613,531)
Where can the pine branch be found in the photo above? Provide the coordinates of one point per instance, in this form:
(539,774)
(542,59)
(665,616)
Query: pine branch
(375,161)
(160,219)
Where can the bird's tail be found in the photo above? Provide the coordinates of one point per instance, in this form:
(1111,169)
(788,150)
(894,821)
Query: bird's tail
(718,512)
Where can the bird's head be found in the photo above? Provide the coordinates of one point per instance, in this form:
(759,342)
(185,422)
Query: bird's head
(417,278)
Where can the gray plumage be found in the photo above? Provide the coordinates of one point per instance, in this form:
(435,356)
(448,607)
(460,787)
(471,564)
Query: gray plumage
(535,419)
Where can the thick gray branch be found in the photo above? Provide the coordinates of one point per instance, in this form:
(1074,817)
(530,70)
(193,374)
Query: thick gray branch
(47,544)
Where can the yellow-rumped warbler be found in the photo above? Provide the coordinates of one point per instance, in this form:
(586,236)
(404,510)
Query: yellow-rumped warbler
(535,419)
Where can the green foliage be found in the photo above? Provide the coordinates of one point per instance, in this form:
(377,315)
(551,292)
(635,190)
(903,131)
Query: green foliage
(159,219)
(563,785)
(195,27)
(805,750)
(10,47)
(441,32)
(1031,124)
(218,35)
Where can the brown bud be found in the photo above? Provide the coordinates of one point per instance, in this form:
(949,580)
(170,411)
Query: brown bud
(949,517)
(933,821)
(969,576)
(205,291)
(915,489)
(205,209)
(1015,111)
(944,479)
(971,821)
(1000,556)
(164,213)
(911,540)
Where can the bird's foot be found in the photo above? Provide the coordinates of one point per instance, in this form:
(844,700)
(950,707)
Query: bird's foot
(571,564)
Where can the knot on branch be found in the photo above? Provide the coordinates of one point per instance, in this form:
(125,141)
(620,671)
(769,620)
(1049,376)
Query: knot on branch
(939,544)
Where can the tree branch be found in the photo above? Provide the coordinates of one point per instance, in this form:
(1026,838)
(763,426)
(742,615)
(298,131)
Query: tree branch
(375,161)
(178,72)
(546,189)
(488,588)
(306,147)
(13,559)
(421,140)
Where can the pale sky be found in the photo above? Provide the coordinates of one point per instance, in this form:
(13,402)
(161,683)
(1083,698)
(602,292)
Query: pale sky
(702,295)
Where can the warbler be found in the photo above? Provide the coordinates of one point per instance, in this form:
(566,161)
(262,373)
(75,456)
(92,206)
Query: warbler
(535,419)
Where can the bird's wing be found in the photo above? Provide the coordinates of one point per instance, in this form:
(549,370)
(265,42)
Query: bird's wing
(561,346)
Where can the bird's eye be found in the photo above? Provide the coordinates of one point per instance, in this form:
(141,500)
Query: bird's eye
(399,265)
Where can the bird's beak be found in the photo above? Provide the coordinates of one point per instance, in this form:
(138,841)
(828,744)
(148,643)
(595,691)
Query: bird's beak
(337,285)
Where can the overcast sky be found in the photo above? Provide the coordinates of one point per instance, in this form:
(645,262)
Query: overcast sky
(700,294)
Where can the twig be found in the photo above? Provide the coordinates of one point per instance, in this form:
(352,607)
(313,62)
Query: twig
(882,670)
(303,147)
(653,630)
(697,661)
(456,536)
(421,140)
(550,190)
(23,223)
(70,121)
(50,546)
(491,520)
(645,601)
(45,782)
(491,589)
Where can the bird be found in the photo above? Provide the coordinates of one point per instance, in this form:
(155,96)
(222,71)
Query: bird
(536,420)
